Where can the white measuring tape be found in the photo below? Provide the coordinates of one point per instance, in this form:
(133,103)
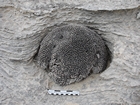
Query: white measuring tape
(60,92)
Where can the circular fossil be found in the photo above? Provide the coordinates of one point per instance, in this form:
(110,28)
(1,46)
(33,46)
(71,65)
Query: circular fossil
(70,53)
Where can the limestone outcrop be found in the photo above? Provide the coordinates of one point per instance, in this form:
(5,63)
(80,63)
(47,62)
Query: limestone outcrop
(24,24)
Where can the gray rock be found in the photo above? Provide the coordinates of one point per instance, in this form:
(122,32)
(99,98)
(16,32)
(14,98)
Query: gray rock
(24,23)
(71,53)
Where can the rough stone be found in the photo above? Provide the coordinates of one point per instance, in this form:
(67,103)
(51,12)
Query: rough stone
(71,53)
(24,23)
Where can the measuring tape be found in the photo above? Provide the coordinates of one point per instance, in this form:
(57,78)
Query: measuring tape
(60,92)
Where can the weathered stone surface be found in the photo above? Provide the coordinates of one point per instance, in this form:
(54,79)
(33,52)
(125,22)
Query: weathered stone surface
(71,53)
(23,24)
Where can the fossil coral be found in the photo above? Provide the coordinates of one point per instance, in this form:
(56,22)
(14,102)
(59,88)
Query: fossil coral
(70,53)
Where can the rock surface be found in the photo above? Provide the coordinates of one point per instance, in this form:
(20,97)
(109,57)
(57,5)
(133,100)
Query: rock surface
(24,23)
(71,53)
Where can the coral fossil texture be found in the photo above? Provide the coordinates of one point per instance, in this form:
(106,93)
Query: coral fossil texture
(24,23)
(71,53)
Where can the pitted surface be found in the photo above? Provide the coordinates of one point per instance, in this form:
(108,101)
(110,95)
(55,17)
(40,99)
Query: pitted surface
(24,23)
(70,53)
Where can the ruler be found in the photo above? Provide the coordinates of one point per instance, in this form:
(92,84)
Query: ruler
(60,92)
